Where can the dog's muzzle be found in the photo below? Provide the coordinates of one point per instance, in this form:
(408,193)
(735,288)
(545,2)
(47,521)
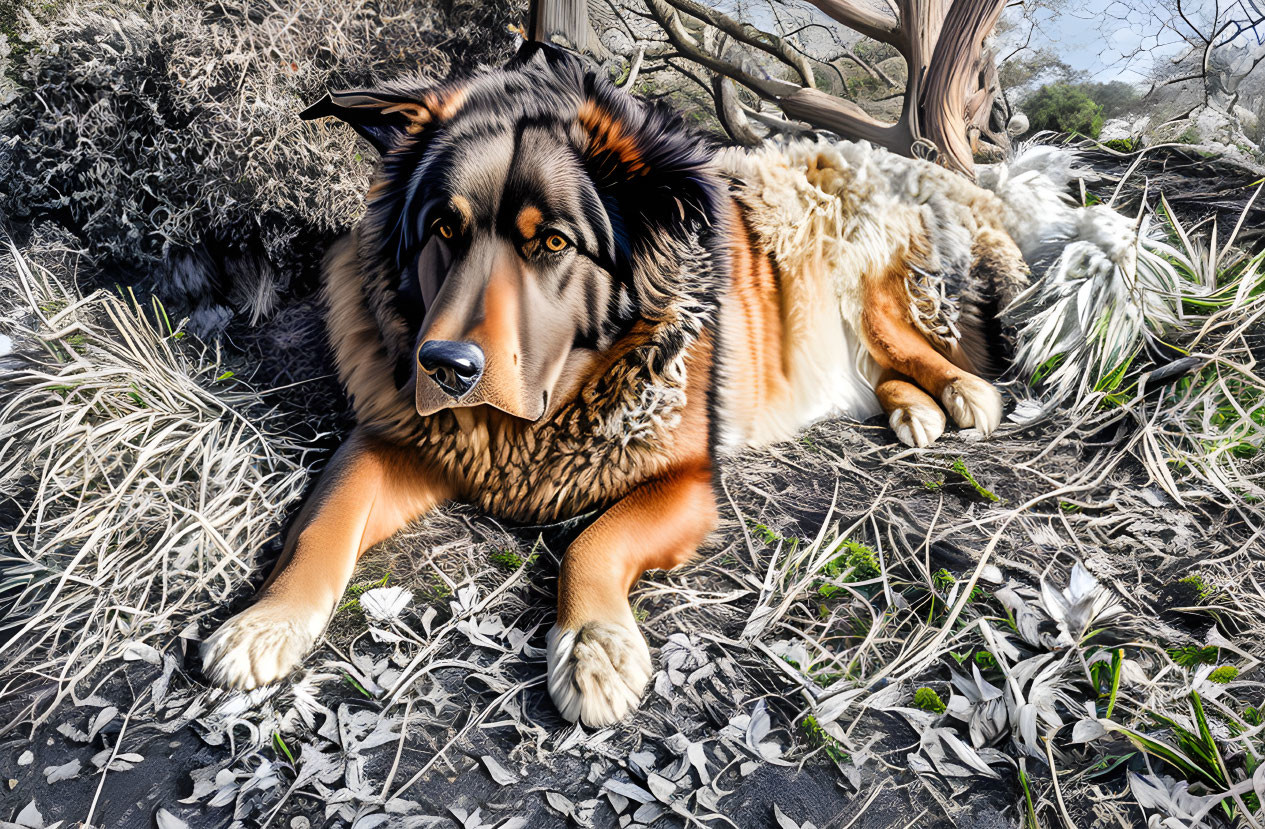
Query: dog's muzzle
(454,366)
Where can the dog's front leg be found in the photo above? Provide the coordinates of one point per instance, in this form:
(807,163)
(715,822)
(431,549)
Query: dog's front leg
(370,490)
(598,660)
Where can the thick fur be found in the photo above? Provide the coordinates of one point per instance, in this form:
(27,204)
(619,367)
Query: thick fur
(645,302)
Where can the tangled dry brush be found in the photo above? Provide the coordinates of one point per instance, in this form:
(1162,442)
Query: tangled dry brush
(1056,627)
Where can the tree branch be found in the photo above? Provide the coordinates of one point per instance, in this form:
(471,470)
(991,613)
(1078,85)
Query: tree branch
(730,113)
(668,20)
(846,118)
(862,19)
(750,35)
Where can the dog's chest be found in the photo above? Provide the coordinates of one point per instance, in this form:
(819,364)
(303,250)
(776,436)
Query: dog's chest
(540,472)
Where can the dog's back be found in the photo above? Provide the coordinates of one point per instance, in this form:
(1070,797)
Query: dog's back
(827,219)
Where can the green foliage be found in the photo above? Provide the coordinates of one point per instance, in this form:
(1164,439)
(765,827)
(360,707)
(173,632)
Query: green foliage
(281,746)
(1195,754)
(1201,587)
(1030,812)
(818,738)
(351,680)
(1115,98)
(857,563)
(770,536)
(943,580)
(1063,107)
(1224,675)
(1045,369)
(1192,656)
(508,560)
(928,700)
(960,468)
(357,590)
(1123,145)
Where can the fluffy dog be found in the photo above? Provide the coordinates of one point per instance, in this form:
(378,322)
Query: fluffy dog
(560,301)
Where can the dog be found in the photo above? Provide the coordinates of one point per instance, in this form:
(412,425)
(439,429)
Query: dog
(561,300)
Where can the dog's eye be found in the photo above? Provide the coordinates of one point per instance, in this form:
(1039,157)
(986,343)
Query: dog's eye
(555,242)
(443,229)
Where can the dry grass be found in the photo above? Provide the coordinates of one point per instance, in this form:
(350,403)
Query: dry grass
(146,481)
(856,585)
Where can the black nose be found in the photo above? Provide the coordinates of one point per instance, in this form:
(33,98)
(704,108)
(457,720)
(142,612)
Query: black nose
(455,366)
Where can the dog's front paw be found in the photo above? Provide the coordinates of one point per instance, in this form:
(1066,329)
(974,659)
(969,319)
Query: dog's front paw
(972,401)
(597,672)
(260,645)
(917,424)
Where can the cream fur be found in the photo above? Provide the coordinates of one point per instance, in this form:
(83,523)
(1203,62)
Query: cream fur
(828,213)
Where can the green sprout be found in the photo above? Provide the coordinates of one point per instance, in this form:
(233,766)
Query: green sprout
(1202,589)
(281,744)
(1192,656)
(928,700)
(1224,675)
(507,560)
(357,590)
(818,738)
(960,469)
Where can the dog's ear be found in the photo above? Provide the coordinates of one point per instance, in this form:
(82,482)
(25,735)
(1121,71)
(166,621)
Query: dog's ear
(547,56)
(653,176)
(383,118)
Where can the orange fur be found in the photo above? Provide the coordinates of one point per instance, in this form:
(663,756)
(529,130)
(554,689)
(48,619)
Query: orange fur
(607,134)
(893,340)
(528,221)
(367,493)
(757,360)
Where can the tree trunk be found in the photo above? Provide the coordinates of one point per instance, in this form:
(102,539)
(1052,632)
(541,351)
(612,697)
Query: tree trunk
(564,22)
(953,66)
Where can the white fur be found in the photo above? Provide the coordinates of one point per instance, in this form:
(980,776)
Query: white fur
(829,213)
(260,645)
(598,673)
(917,424)
(804,200)
(973,403)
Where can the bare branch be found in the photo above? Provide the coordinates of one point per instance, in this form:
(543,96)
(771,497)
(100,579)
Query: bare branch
(846,118)
(746,33)
(689,47)
(730,113)
(862,19)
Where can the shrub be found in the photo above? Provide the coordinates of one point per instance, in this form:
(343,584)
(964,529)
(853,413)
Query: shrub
(1063,107)
(166,136)
(1116,98)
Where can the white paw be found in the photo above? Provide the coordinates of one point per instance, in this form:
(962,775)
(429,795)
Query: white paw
(971,401)
(917,424)
(260,645)
(597,673)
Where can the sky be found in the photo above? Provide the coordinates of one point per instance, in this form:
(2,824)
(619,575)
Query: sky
(1121,39)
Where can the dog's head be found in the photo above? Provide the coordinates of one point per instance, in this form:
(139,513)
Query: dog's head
(521,223)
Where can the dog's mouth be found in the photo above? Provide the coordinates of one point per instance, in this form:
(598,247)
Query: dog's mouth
(468,387)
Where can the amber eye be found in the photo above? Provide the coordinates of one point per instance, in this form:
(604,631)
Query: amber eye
(443,229)
(555,243)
